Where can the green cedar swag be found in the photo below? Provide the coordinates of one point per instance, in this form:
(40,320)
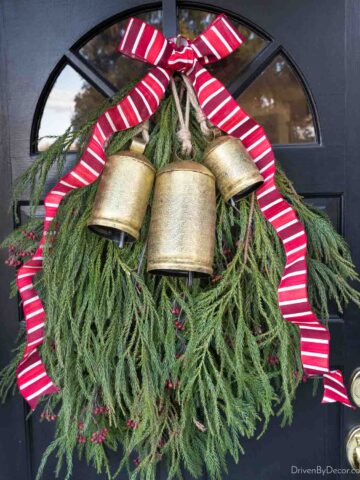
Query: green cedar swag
(147,366)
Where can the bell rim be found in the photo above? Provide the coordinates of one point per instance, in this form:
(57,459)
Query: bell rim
(178,273)
(197,269)
(190,166)
(116,225)
(136,156)
(244,187)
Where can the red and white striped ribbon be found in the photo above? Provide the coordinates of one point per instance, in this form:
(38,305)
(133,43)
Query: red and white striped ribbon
(143,42)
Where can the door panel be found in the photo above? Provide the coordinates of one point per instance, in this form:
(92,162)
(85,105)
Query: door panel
(33,39)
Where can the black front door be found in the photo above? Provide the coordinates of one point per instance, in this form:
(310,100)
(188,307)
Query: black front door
(298,76)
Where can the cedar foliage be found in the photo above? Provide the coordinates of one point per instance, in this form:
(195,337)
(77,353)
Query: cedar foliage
(110,334)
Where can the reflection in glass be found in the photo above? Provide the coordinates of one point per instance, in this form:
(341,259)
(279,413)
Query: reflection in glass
(277,100)
(69,103)
(193,22)
(102,54)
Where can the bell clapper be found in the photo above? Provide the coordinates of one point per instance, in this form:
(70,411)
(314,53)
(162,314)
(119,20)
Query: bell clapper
(139,268)
(233,204)
(189,279)
(121,239)
(141,258)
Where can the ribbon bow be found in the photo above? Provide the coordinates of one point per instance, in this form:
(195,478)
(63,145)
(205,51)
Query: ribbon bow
(143,42)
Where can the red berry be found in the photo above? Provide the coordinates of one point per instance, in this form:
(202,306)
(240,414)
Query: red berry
(98,410)
(136,461)
(226,251)
(161,443)
(169,384)
(81,426)
(175,311)
(131,424)
(230,342)
(81,439)
(99,436)
(273,360)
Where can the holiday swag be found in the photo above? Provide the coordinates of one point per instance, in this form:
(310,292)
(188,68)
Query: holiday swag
(182,335)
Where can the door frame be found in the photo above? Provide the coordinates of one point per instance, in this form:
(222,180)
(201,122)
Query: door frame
(13,425)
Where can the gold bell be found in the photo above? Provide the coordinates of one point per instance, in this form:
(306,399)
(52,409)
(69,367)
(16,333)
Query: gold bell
(236,173)
(182,226)
(123,195)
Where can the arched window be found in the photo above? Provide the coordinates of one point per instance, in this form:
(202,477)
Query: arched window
(259,74)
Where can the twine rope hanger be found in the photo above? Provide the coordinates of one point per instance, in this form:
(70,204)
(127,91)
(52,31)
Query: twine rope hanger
(183,133)
(200,116)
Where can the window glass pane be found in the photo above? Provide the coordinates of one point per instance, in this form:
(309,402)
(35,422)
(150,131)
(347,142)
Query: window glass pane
(193,22)
(101,52)
(71,99)
(277,100)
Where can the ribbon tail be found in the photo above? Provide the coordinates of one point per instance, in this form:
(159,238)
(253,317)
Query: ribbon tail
(136,107)
(32,379)
(222,110)
(334,389)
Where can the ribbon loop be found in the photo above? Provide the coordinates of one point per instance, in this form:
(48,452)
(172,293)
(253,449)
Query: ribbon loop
(147,44)
(217,41)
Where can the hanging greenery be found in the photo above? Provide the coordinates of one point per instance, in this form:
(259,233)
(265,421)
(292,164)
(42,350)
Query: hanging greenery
(147,365)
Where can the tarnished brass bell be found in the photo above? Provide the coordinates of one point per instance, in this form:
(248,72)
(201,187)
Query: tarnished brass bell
(236,173)
(123,195)
(182,227)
